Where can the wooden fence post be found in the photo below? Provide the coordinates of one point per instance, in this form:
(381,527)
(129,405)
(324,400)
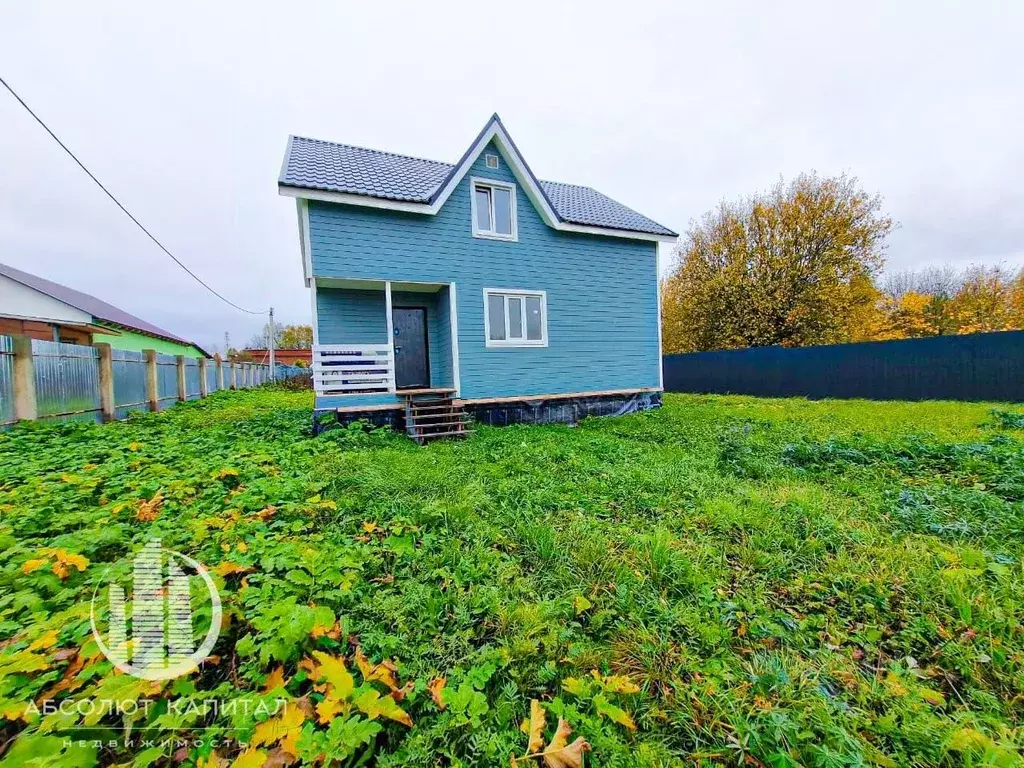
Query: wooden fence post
(25,406)
(106,381)
(220,371)
(204,389)
(179,366)
(152,380)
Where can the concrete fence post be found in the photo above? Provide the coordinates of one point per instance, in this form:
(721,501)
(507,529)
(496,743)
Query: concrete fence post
(25,407)
(234,374)
(152,380)
(179,361)
(204,388)
(106,381)
(220,371)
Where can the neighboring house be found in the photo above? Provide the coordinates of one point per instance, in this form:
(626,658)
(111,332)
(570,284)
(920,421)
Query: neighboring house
(48,311)
(303,357)
(516,298)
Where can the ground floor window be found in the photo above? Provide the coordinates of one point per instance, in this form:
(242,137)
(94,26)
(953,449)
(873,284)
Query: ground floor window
(515,318)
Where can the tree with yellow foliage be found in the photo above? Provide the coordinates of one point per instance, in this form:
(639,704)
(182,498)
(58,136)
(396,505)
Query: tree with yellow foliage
(1017,301)
(793,266)
(941,301)
(983,302)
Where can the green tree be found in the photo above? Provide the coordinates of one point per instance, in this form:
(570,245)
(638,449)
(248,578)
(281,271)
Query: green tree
(792,266)
(297,337)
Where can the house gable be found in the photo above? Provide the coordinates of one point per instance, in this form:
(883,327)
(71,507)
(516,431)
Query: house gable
(24,302)
(494,139)
(370,179)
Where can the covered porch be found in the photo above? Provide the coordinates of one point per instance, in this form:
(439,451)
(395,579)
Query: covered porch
(374,340)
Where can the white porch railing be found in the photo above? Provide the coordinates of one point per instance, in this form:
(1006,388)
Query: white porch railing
(353,369)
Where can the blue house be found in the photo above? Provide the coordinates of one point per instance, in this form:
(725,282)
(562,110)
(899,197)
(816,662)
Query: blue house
(441,291)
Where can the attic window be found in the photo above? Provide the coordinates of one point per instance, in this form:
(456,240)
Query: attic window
(491,160)
(493,209)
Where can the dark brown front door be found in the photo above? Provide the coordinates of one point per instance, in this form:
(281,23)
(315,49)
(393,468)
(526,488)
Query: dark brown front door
(412,365)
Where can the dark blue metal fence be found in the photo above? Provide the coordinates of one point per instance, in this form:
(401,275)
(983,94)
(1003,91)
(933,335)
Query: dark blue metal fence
(983,366)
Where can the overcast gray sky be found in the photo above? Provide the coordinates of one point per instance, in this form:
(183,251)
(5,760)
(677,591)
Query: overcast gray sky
(183,111)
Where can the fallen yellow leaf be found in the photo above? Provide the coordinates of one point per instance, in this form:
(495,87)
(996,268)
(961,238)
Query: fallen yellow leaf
(285,728)
(383,672)
(46,640)
(332,669)
(147,511)
(536,726)
(436,688)
(274,679)
(327,710)
(373,706)
(559,754)
(226,568)
(251,758)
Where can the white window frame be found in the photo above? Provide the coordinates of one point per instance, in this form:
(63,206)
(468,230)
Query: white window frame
(492,184)
(516,293)
(491,161)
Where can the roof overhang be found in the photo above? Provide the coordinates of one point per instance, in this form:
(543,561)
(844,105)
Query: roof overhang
(109,326)
(495,131)
(87,327)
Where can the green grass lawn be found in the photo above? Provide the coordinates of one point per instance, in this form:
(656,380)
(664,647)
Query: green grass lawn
(726,581)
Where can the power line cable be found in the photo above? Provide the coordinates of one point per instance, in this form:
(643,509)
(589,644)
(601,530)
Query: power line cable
(117,202)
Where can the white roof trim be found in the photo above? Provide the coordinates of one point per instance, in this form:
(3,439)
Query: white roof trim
(401,205)
(302,208)
(516,164)
(347,198)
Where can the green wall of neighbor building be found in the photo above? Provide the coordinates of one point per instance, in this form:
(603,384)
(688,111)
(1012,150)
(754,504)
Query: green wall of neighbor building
(137,342)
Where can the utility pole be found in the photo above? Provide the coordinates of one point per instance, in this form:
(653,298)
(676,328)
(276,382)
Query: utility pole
(273,333)
(227,346)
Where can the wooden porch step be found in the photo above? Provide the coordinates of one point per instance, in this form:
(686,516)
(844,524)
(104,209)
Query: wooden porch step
(453,433)
(430,418)
(434,424)
(433,413)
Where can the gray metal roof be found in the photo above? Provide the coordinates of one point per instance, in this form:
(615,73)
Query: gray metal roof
(585,205)
(330,167)
(315,164)
(100,310)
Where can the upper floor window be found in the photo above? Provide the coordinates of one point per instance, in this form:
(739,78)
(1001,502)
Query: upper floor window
(493,205)
(515,318)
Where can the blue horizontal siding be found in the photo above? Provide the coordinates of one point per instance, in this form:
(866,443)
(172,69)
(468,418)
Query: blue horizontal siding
(601,291)
(354,401)
(351,317)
